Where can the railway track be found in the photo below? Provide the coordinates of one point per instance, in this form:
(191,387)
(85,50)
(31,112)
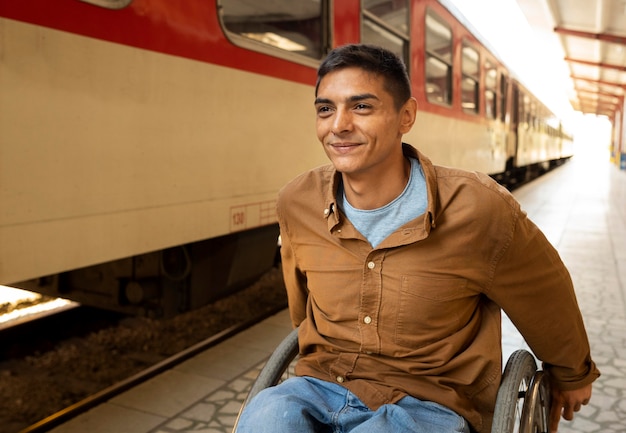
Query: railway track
(59,378)
(84,405)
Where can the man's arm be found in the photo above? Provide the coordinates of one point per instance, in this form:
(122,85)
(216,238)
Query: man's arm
(530,280)
(295,281)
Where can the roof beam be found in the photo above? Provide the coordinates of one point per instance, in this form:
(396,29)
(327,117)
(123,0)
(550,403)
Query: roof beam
(604,37)
(598,93)
(598,64)
(607,83)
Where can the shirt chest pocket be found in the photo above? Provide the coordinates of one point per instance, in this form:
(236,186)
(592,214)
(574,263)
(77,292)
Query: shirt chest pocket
(431,309)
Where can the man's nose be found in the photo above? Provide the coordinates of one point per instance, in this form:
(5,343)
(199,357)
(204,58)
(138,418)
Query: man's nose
(342,122)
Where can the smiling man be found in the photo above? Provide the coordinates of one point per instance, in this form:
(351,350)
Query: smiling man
(360,126)
(396,271)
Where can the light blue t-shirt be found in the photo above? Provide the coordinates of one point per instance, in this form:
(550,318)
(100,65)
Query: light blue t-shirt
(377,224)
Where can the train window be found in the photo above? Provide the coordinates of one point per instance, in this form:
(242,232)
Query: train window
(278,26)
(109,4)
(470,80)
(491,77)
(438,60)
(386,23)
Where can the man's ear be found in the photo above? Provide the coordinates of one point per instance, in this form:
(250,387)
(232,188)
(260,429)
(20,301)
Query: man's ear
(408,112)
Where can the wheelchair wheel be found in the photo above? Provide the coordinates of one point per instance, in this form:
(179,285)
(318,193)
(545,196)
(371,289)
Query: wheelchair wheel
(522,405)
(536,412)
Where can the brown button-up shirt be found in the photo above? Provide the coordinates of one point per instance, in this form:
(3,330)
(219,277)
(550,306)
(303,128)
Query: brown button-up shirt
(420,314)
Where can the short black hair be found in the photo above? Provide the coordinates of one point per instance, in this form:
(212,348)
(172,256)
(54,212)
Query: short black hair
(374,59)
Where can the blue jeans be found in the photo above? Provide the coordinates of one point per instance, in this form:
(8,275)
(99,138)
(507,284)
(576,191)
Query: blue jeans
(305,404)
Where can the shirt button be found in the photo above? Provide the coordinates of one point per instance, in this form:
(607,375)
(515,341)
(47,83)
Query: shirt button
(340,379)
(371,265)
(367,320)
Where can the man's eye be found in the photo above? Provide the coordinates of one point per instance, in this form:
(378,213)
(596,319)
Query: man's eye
(362,107)
(324,109)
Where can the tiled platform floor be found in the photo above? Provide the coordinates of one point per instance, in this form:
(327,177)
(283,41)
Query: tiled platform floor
(582,209)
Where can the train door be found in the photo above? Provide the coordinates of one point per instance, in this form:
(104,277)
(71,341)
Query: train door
(497,129)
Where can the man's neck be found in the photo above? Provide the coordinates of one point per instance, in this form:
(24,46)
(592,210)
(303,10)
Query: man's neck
(372,192)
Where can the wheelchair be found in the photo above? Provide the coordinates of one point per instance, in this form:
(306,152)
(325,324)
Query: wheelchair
(522,403)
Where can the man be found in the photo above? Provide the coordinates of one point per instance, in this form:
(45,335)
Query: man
(396,271)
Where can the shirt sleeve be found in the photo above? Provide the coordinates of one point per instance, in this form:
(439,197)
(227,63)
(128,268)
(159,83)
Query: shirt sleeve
(533,286)
(295,280)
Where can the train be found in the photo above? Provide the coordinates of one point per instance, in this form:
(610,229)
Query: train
(143,142)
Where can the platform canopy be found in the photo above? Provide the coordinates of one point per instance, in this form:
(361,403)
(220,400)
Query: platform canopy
(592,35)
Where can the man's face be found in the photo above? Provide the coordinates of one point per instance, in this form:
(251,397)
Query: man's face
(358,124)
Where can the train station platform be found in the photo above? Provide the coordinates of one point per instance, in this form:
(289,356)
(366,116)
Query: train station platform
(580,206)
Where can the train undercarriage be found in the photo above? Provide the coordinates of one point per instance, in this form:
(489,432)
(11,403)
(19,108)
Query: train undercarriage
(171,281)
(514,177)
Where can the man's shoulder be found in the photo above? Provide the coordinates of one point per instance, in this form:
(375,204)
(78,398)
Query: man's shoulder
(307,189)
(476,185)
(459,176)
(311,180)
(305,195)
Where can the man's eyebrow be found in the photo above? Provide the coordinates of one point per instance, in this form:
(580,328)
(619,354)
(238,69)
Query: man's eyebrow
(322,101)
(357,98)
(353,98)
